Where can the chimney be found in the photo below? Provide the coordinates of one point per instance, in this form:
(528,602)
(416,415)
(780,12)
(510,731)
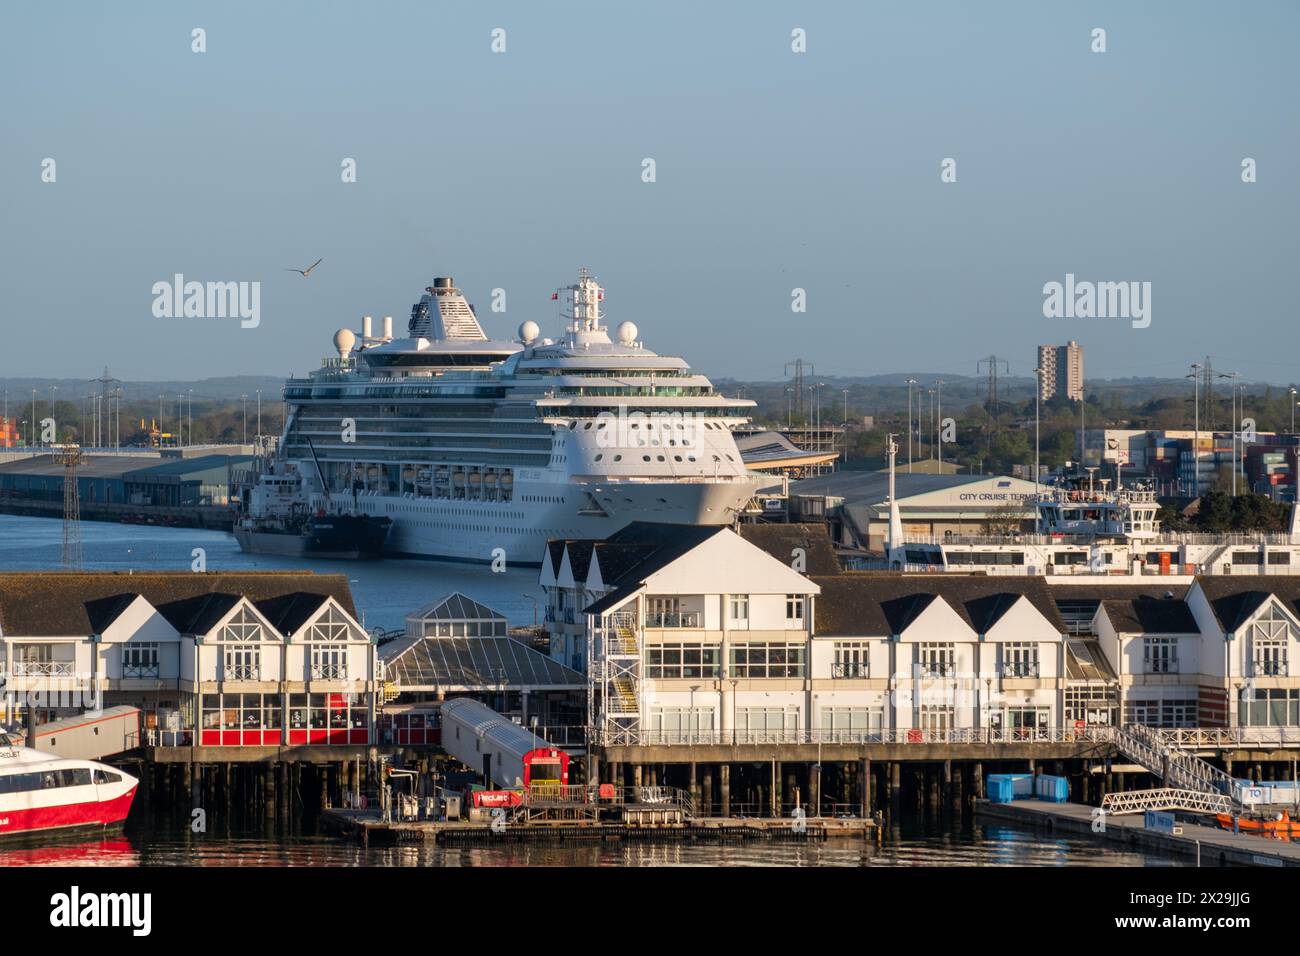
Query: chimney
(367,324)
(388,328)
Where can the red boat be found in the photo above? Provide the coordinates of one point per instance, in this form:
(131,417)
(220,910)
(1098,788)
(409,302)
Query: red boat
(41,792)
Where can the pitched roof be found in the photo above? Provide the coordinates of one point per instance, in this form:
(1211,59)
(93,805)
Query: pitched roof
(631,555)
(1233,599)
(456,607)
(881,604)
(779,540)
(77,603)
(1149,615)
(443,663)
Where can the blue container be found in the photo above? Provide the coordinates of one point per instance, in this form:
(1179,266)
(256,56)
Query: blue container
(1005,787)
(1053,789)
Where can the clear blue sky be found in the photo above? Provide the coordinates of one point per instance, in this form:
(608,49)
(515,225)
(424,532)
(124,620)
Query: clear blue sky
(775,170)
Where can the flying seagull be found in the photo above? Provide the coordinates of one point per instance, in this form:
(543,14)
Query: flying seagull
(306,272)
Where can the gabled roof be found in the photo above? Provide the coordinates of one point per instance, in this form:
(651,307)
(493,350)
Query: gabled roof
(881,604)
(779,540)
(1148,615)
(1234,599)
(631,555)
(78,604)
(290,612)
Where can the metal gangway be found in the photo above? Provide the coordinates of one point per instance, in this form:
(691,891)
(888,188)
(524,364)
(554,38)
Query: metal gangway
(1177,769)
(1168,798)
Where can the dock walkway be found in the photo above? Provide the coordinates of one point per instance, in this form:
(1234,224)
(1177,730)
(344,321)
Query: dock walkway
(368,827)
(1215,846)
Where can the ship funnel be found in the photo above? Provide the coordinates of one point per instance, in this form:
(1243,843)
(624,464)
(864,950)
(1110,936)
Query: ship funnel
(388,328)
(367,326)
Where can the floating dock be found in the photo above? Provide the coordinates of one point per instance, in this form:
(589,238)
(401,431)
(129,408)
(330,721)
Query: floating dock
(369,828)
(1211,845)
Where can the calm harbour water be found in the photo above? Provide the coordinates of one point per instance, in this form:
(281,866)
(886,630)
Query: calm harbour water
(384,592)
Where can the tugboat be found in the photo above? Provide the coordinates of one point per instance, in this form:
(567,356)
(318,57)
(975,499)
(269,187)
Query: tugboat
(276,519)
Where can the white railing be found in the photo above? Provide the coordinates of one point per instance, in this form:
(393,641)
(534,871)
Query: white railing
(241,672)
(44,668)
(898,736)
(1190,801)
(1216,737)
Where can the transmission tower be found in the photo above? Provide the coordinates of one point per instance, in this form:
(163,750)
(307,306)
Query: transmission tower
(102,427)
(799,365)
(1207,393)
(69,456)
(993,362)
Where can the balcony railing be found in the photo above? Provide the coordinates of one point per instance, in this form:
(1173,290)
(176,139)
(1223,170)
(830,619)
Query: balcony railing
(44,668)
(969,735)
(673,619)
(328,672)
(1020,669)
(1161,667)
(850,670)
(931,669)
(241,672)
(1269,669)
(140,671)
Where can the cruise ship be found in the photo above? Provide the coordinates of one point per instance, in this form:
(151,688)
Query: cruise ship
(482,450)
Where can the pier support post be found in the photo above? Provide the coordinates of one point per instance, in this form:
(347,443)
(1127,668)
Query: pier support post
(695,784)
(978,783)
(895,786)
(707,805)
(268,792)
(636,775)
(774,806)
(815,788)
(724,774)
(867,787)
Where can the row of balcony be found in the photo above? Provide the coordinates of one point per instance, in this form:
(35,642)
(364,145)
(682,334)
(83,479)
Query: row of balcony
(234,672)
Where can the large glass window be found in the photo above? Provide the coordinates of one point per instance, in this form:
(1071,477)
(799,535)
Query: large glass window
(766,719)
(1269,707)
(671,661)
(739,608)
(329,662)
(757,661)
(1270,638)
(867,720)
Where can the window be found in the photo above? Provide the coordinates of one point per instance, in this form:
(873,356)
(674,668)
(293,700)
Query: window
(681,721)
(1160,655)
(1019,660)
(794,607)
(673,661)
(1170,713)
(851,660)
(331,626)
(1270,636)
(855,720)
(242,663)
(329,662)
(766,720)
(139,660)
(757,661)
(937,718)
(243,627)
(1269,707)
(938,660)
(739,609)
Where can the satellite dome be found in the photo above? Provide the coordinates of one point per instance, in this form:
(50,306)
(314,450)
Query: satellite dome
(528,331)
(627,332)
(344,339)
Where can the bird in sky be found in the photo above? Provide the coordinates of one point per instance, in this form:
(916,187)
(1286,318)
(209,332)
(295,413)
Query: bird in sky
(306,272)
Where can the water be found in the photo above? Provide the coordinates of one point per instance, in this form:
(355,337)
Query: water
(385,591)
(916,842)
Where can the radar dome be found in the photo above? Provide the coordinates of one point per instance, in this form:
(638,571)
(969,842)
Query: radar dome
(528,331)
(344,339)
(627,332)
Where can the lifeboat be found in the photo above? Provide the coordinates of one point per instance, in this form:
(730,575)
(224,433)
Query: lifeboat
(1283,828)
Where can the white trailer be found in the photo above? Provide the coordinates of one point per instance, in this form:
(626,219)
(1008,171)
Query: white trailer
(483,740)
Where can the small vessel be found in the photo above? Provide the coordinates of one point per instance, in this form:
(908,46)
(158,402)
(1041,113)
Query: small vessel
(1282,826)
(42,792)
(275,519)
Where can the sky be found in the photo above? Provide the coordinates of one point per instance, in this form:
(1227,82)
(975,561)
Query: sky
(774,171)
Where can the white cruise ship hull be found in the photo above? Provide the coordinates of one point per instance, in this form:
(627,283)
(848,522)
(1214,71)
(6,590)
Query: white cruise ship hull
(473,530)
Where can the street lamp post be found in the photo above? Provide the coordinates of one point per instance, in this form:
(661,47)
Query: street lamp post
(1232,376)
(1293,404)
(938,385)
